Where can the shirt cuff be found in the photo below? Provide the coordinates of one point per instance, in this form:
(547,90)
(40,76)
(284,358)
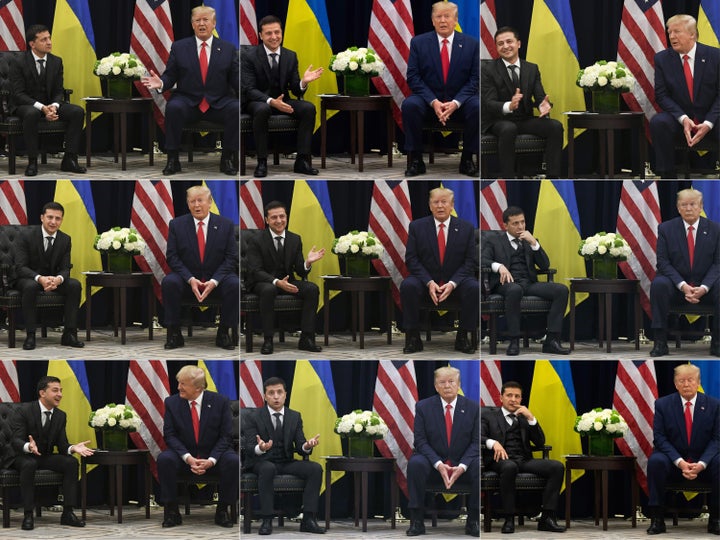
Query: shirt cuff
(490,443)
(437,464)
(38,105)
(495,267)
(213,460)
(215,282)
(258,452)
(463,467)
(185,457)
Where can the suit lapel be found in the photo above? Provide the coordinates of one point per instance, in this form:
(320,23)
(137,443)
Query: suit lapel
(504,75)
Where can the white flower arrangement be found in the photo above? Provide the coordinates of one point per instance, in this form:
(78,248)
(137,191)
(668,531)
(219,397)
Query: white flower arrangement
(119,66)
(116,417)
(120,240)
(605,246)
(360,243)
(607,76)
(357,61)
(361,424)
(599,421)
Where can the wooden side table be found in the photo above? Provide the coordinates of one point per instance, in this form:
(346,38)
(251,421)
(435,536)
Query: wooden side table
(360,467)
(600,465)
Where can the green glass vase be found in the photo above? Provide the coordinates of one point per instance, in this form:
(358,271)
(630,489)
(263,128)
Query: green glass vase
(600,445)
(119,263)
(357,85)
(119,88)
(360,447)
(604,268)
(605,102)
(115,440)
(357,266)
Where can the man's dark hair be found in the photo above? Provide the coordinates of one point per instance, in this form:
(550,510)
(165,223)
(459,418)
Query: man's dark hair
(506,29)
(272,205)
(45,381)
(269,19)
(32,32)
(510,384)
(273,381)
(53,206)
(511,211)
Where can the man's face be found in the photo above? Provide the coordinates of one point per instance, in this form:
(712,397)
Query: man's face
(507,46)
(51,396)
(51,220)
(686,384)
(275,396)
(444,21)
(681,37)
(199,205)
(515,225)
(271,35)
(187,390)
(689,208)
(276,219)
(447,386)
(441,206)
(203,25)
(42,44)
(511,399)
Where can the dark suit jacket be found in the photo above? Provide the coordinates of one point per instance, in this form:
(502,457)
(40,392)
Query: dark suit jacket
(497,248)
(497,89)
(261,423)
(183,68)
(25,81)
(671,91)
(672,253)
(27,421)
(422,257)
(494,426)
(221,249)
(430,435)
(264,264)
(215,426)
(256,74)
(670,437)
(424,71)
(30,258)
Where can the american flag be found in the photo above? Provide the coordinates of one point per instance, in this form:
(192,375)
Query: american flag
(634,398)
(12,26)
(9,387)
(251,205)
(147,387)
(151,38)
(248,24)
(637,222)
(251,383)
(493,202)
(488,27)
(390,217)
(642,34)
(391,29)
(490,383)
(395,397)
(152,210)
(13,210)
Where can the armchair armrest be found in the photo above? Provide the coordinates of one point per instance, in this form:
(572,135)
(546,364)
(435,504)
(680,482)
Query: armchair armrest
(545,449)
(549,273)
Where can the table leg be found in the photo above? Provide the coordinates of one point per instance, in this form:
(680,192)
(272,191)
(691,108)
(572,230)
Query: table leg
(326,317)
(605,498)
(328,487)
(111,481)
(118,487)
(323,137)
(116,129)
(353,135)
(643,154)
(151,309)
(148,483)
(361,139)
(611,152)
(88,137)
(634,489)
(88,309)
(389,305)
(572,317)
(601,319)
(603,152)
(390,136)
(356,487)
(608,320)
(151,137)
(123,139)
(638,319)
(568,490)
(361,318)
(83,487)
(353,308)
(364,495)
(123,314)
(598,494)
(393,496)
(571,151)
(116,307)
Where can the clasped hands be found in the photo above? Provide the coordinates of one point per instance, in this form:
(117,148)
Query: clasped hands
(50,112)
(449,474)
(438,293)
(199,466)
(444,110)
(49,283)
(690,470)
(201,289)
(693,294)
(694,133)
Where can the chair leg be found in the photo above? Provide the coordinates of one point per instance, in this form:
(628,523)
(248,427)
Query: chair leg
(11,333)
(247,512)
(242,154)
(11,156)
(492,327)
(487,513)
(433,510)
(6,507)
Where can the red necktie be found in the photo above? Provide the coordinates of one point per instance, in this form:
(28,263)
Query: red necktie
(688,420)
(448,422)
(204,105)
(445,59)
(691,244)
(201,240)
(195,420)
(688,75)
(441,242)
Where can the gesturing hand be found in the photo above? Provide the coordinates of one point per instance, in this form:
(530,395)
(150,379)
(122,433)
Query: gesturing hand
(264,446)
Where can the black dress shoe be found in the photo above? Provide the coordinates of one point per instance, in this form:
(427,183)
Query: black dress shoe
(31,169)
(261,169)
(224,341)
(267,347)
(174,340)
(462,344)
(29,344)
(302,166)
(309,525)
(70,339)
(548,523)
(514,347)
(657,526)
(714,526)
(171,518)
(660,348)
(69,518)
(307,343)
(417,527)
(28,523)
(172,166)
(468,168)
(266,527)
(228,167)
(472,528)
(552,346)
(508,527)
(70,164)
(222,519)
(413,344)
(417,167)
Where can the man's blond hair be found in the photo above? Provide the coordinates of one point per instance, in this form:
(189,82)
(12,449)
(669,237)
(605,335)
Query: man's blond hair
(442,191)
(445,5)
(447,371)
(198,190)
(193,373)
(197,10)
(686,369)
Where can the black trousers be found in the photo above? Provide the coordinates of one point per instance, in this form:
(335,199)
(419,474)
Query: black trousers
(549,469)
(67,112)
(412,290)
(310,471)
(664,293)
(420,473)
(507,130)
(178,113)
(27,464)
(226,472)
(513,293)
(29,288)
(660,471)
(174,289)
(267,292)
(303,111)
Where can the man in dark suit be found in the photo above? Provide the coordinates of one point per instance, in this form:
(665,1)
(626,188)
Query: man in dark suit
(197,427)
(43,264)
(39,427)
(269,74)
(443,74)
(506,434)
(36,79)
(446,449)
(274,259)
(441,258)
(686,65)
(205,70)
(274,435)
(511,91)
(202,253)
(686,446)
(513,257)
(688,268)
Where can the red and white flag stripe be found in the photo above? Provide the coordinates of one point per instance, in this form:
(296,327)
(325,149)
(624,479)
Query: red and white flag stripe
(488,27)
(251,205)
(251,383)
(9,386)
(248,24)
(12,26)
(490,383)
(13,210)
(493,202)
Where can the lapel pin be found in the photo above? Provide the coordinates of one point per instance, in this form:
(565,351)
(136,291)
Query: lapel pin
(460,45)
(462,411)
(215,227)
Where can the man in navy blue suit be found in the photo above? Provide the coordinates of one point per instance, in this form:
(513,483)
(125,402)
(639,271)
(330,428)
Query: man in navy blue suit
(440,275)
(205,70)
(446,449)
(688,268)
(202,253)
(686,445)
(687,65)
(443,73)
(197,428)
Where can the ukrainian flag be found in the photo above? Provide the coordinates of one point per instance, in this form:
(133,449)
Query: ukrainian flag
(307,32)
(465,206)
(469,378)
(711,197)
(74,41)
(75,401)
(79,222)
(553,47)
(709,23)
(557,226)
(225,198)
(313,396)
(227,20)
(709,377)
(220,377)
(311,217)
(468,17)
(552,401)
